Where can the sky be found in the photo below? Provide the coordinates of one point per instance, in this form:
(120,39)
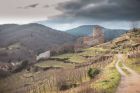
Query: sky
(67,14)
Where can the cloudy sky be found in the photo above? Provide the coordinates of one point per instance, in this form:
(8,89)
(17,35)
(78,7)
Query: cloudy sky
(66,14)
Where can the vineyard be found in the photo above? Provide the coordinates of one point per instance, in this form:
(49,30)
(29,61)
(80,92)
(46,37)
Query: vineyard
(76,72)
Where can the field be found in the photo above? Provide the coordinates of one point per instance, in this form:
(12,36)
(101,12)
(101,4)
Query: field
(50,79)
(54,64)
(72,58)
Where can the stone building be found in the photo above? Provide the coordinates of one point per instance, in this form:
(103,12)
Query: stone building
(96,38)
(44,55)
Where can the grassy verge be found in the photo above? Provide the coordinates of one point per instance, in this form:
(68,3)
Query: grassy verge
(120,64)
(109,80)
(124,69)
(133,63)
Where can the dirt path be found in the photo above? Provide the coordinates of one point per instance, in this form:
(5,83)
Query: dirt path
(129,83)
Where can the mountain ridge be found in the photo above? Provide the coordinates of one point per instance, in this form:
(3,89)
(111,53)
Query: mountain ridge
(32,37)
(87,30)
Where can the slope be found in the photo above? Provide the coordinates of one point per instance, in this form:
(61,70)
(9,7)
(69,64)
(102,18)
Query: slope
(34,37)
(87,30)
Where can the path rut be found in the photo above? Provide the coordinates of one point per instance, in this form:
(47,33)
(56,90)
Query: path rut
(129,83)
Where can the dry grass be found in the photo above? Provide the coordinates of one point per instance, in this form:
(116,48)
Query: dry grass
(54,63)
(109,80)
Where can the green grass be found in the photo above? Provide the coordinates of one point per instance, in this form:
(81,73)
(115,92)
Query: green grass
(63,56)
(89,52)
(124,69)
(120,64)
(109,80)
(96,49)
(80,57)
(77,59)
(53,63)
(74,58)
(133,63)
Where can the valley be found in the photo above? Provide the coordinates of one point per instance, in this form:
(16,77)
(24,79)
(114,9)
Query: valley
(69,46)
(102,68)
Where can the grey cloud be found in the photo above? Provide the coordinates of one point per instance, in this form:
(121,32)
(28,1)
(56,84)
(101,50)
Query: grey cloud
(32,5)
(127,10)
(29,6)
(46,6)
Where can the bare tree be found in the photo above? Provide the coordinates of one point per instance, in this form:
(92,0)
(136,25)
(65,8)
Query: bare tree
(134,25)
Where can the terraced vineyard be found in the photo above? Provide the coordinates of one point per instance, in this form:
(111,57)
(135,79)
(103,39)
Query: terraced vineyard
(76,72)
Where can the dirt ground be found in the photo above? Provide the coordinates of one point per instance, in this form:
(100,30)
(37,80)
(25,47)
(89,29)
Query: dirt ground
(129,83)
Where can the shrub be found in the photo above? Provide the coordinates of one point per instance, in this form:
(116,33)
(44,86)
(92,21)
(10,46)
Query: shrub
(4,74)
(67,85)
(92,72)
(20,67)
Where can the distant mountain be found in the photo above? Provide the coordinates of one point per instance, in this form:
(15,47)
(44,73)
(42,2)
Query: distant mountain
(31,39)
(87,30)
(7,26)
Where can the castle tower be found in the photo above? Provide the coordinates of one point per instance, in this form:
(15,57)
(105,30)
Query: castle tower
(98,34)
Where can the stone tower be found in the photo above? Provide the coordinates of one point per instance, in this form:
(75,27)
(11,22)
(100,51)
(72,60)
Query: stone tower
(98,35)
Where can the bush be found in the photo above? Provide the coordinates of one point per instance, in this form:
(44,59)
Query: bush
(62,84)
(20,67)
(92,72)
(4,74)
(67,85)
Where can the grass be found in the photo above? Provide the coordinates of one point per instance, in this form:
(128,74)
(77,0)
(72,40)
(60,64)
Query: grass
(109,80)
(55,64)
(88,53)
(77,59)
(120,64)
(63,56)
(123,69)
(74,58)
(96,49)
(80,57)
(92,51)
(126,71)
(133,63)
(15,81)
